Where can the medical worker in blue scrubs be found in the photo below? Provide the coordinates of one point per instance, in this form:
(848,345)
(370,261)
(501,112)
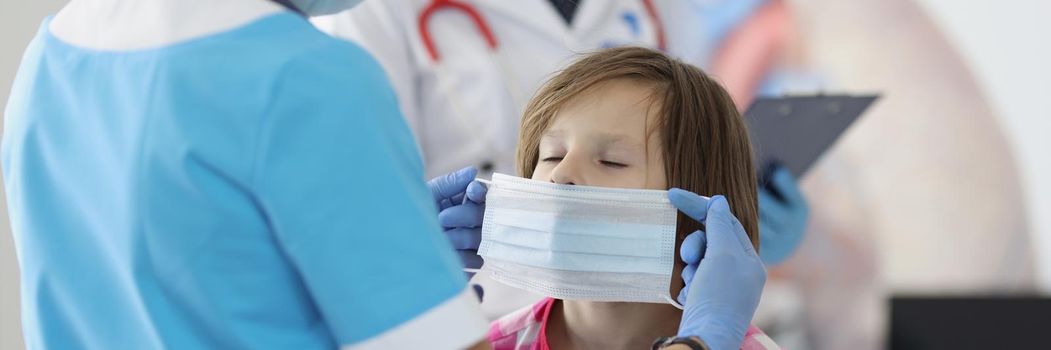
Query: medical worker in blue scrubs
(197,174)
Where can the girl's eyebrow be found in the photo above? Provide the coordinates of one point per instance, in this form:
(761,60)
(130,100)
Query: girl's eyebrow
(608,139)
(604,139)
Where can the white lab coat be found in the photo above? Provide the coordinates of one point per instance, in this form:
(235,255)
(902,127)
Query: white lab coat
(534,42)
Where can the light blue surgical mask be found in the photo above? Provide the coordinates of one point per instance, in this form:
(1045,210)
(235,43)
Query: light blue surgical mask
(579,242)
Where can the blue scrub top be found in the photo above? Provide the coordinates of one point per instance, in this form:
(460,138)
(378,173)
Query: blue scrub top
(255,188)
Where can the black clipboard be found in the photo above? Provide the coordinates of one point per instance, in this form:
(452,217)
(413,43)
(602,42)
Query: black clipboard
(795,131)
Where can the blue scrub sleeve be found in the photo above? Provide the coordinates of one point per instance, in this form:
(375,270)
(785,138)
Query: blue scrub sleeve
(340,179)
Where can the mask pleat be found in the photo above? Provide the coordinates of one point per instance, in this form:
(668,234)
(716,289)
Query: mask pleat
(578,242)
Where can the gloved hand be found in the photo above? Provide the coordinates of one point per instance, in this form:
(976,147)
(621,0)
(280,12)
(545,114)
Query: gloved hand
(724,275)
(461,204)
(783,214)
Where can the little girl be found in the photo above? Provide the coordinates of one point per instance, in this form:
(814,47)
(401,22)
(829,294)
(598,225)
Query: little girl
(630,118)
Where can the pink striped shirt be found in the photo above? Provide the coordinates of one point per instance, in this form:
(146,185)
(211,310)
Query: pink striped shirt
(525,329)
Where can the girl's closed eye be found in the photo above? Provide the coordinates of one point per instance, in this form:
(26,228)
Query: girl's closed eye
(613,164)
(555,159)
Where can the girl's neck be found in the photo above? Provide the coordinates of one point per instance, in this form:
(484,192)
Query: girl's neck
(601,325)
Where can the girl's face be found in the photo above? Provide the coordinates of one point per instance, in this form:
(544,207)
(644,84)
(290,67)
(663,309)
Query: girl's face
(602,138)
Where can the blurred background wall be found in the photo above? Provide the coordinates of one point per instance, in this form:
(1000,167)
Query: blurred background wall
(1001,45)
(19,21)
(939,189)
(1004,44)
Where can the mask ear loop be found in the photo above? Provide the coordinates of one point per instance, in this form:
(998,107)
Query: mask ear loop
(672,301)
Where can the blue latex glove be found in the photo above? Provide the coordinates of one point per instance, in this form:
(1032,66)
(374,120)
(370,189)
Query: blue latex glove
(724,276)
(783,214)
(461,204)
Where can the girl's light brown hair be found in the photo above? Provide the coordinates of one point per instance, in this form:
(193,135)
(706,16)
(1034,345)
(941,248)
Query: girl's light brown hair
(705,142)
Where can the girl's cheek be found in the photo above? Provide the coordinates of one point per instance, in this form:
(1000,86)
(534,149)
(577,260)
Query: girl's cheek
(539,172)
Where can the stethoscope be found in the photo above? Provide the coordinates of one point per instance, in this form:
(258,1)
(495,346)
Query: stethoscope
(486,32)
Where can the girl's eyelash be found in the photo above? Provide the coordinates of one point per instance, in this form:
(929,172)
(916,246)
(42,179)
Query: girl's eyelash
(604,162)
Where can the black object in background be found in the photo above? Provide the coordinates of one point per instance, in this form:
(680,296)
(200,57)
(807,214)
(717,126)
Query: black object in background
(288,5)
(566,8)
(970,323)
(796,130)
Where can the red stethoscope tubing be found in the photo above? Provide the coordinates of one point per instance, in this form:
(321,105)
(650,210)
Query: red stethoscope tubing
(487,32)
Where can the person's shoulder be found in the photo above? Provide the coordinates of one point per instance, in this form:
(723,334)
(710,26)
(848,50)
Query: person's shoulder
(291,43)
(323,48)
(312,66)
(337,58)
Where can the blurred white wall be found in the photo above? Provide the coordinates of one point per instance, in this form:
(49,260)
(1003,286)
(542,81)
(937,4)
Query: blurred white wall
(1005,44)
(19,21)
(1001,42)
